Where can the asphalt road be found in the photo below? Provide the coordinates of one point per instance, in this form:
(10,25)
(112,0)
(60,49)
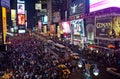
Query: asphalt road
(102,75)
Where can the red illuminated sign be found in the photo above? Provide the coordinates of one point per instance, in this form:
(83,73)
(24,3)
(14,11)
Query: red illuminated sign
(21,19)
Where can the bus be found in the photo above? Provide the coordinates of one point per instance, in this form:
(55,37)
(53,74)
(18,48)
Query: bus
(50,43)
(59,47)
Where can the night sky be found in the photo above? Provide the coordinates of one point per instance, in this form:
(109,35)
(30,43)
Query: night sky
(30,7)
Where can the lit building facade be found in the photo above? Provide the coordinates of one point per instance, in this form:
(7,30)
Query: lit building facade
(56,13)
(77,10)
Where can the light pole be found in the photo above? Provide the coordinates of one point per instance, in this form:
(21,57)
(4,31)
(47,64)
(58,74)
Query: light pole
(87,67)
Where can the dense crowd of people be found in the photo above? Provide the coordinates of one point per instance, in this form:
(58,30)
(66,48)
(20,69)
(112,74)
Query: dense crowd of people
(26,58)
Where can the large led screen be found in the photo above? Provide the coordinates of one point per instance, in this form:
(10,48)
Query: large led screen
(66,27)
(45,19)
(21,8)
(102,4)
(78,27)
(21,19)
(103,26)
(77,7)
(52,29)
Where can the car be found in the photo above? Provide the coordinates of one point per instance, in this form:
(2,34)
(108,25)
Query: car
(75,56)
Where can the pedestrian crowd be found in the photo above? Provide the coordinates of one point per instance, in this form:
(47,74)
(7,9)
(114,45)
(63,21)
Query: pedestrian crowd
(26,58)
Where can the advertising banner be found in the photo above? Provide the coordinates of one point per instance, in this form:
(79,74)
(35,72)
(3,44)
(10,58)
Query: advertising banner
(20,8)
(21,16)
(56,17)
(4,23)
(52,29)
(45,28)
(13,14)
(96,5)
(45,19)
(38,6)
(116,26)
(21,19)
(66,27)
(103,26)
(90,28)
(77,7)
(78,27)
(39,25)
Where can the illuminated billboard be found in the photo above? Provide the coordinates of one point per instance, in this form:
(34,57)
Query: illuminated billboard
(4,24)
(103,26)
(90,28)
(21,19)
(102,4)
(21,16)
(21,8)
(66,27)
(13,14)
(116,26)
(56,17)
(77,7)
(52,29)
(45,19)
(78,27)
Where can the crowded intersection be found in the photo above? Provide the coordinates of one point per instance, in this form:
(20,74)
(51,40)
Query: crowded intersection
(28,58)
(32,56)
(60,39)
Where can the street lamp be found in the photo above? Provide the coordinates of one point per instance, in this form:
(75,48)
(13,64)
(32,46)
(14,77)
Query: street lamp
(87,69)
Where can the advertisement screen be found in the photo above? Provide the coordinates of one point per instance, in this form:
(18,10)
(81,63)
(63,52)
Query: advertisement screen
(4,24)
(21,19)
(66,27)
(45,19)
(102,4)
(21,31)
(13,14)
(20,8)
(56,17)
(52,29)
(78,27)
(39,25)
(116,26)
(103,26)
(77,7)
(90,28)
